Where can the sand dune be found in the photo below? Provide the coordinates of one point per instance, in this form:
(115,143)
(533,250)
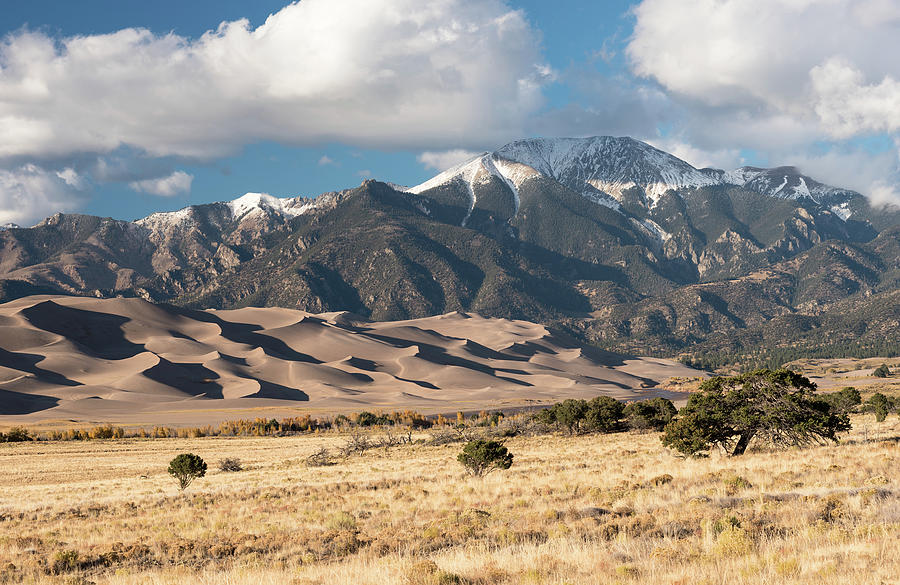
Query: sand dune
(129,360)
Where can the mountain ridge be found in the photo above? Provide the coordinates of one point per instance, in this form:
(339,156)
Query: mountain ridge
(498,237)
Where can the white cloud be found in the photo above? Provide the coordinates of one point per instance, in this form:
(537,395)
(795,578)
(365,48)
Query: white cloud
(757,51)
(71,178)
(396,73)
(365,173)
(870,173)
(885,194)
(175,184)
(726,158)
(847,105)
(778,76)
(445,159)
(29,193)
(326,160)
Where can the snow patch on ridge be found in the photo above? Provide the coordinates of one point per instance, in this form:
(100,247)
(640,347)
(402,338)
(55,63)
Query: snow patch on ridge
(842,210)
(479,170)
(248,204)
(652,229)
(286,207)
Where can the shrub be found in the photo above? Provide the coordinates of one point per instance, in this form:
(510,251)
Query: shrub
(735,484)
(880,404)
(654,414)
(15,435)
(603,414)
(341,521)
(366,419)
(185,468)
(65,561)
(600,414)
(568,413)
(776,405)
(481,457)
(845,400)
(230,464)
(882,371)
(320,458)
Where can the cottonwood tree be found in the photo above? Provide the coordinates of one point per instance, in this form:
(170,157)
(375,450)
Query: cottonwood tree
(778,406)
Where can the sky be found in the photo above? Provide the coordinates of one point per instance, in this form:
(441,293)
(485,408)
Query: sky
(123,107)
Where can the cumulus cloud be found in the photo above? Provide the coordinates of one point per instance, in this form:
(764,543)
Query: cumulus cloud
(776,75)
(326,160)
(29,192)
(175,184)
(757,51)
(445,159)
(847,105)
(396,73)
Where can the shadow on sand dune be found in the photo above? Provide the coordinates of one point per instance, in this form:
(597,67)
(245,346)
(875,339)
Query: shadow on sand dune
(20,403)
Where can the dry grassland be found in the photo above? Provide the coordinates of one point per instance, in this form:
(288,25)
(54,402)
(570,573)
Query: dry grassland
(572,510)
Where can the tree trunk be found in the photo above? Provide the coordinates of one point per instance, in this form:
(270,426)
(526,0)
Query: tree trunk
(742,443)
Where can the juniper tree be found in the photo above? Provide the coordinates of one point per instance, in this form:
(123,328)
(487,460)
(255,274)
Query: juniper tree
(185,468)
(779,406)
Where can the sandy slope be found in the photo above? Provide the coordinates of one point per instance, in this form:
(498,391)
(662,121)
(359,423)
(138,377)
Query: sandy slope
(131,361)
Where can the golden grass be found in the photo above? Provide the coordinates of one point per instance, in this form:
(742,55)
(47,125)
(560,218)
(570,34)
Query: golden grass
(576,510)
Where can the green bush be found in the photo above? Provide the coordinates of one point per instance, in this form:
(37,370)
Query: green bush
(879,404)
(568,413)
(369,419)
(882,371)
(15,435)
(654,414)
(185,468)
(601,414)
(481,457)
(845,400)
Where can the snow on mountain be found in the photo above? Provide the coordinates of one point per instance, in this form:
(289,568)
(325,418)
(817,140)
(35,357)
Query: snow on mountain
(610,165)
(602,168)
(9,226)
(286,207)
(247,205)
(782,182)
(478,170)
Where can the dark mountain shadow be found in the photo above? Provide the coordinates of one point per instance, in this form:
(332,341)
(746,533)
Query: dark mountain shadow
(419,383)
(100,333)
(27,362)
(439,355)
(16,289)
(193,379)
(247,334)
(12,403)
(372,366)
(279,392)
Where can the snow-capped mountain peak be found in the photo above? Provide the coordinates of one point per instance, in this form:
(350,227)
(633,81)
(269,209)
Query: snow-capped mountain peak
(602,168)
(608,164)
(246,206)
(253,202)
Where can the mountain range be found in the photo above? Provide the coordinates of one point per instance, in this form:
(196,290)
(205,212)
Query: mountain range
(619,243)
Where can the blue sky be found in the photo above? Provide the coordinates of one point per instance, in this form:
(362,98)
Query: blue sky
(105,120)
